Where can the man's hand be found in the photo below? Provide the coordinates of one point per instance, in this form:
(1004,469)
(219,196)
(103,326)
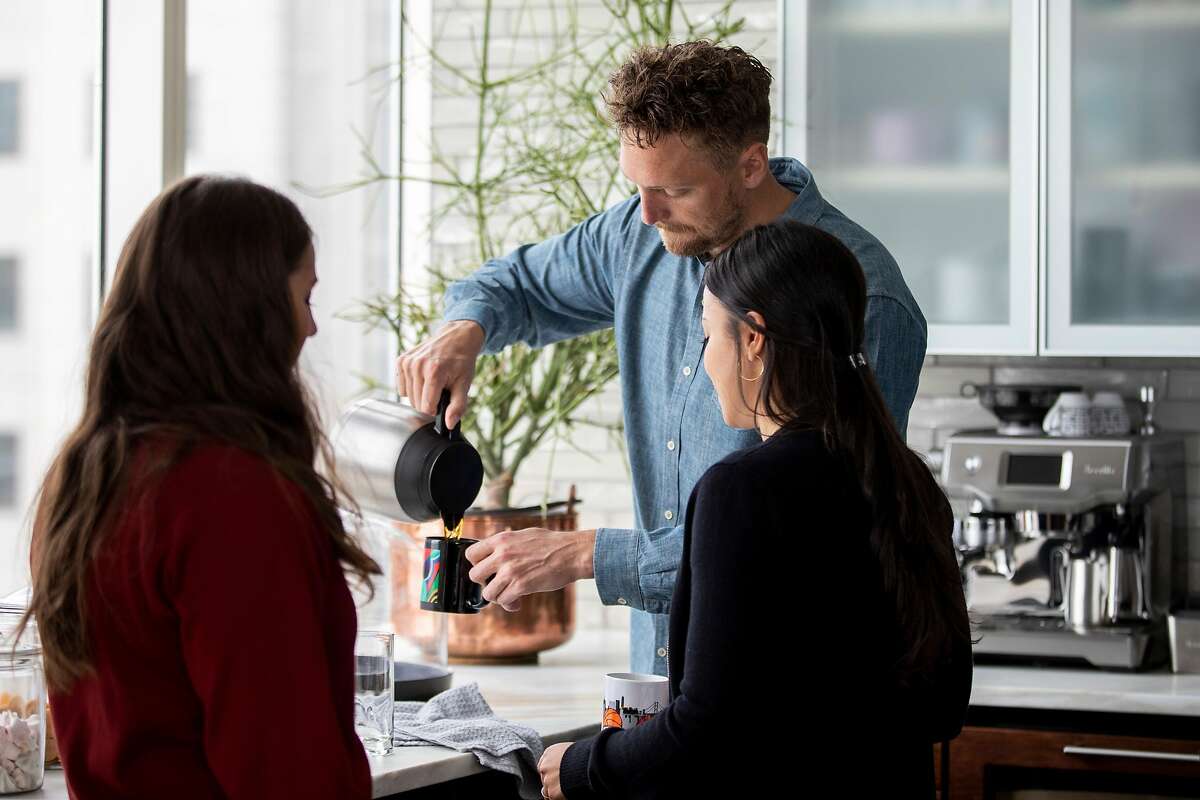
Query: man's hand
(445,361)
(549,768)
(529,561)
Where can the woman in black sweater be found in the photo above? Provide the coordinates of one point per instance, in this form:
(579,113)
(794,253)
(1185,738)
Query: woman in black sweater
(819,641)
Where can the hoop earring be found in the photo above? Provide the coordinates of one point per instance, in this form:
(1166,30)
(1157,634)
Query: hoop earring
(760,372)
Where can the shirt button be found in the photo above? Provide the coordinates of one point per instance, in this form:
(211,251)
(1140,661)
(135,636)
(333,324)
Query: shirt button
(687,371)
(621,601)
(671,444)
(662,652)
(669,515)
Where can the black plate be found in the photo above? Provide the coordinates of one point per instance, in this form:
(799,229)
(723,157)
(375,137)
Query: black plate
(420,681)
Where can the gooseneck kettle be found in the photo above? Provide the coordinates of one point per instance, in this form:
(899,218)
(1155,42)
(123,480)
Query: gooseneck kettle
(404,465)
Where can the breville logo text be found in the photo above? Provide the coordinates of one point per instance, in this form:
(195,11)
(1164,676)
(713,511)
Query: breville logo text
(1103,469)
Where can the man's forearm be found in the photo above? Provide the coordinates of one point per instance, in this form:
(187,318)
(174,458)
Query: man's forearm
(584,566)
(473,332)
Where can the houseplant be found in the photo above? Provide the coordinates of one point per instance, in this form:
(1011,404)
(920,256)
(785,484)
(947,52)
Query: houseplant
(543,158)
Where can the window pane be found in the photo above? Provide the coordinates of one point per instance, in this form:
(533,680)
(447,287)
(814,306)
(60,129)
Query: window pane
(8,294)
(49,211)
(10,121)
(280,92)
(8,470)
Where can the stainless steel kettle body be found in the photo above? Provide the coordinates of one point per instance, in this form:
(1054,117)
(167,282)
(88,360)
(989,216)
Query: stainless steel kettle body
(404,465)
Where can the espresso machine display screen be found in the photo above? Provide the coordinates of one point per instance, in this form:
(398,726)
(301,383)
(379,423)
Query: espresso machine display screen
(1027,470)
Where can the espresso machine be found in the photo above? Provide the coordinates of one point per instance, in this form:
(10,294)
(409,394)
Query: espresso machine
(1067,547)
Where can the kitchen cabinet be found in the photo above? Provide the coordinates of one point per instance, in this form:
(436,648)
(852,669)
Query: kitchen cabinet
(1000,751)
(1123,178)
(1034,166)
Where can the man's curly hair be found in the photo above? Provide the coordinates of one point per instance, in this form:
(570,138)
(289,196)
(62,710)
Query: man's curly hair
(716,97)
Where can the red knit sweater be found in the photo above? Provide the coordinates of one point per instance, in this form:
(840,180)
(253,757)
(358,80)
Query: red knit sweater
(222,633)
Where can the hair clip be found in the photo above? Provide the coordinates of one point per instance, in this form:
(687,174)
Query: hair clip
(857,360)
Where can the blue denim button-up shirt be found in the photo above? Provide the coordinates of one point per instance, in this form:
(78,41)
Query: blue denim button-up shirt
(612,270)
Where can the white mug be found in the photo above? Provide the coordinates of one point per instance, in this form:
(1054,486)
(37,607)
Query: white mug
(1109,416)
(631,698)
(1071,415)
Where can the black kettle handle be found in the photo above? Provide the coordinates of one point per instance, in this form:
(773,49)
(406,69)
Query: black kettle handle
(439,424)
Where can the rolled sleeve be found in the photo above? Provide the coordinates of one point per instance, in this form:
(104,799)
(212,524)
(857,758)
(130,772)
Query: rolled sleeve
(546,292)
(637,568)
(486,317)
(615,561)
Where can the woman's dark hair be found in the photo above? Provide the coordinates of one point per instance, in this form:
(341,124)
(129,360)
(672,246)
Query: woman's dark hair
(197,342)
(811,293)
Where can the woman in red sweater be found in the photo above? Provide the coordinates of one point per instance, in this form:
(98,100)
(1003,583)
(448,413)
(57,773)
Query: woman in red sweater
(188,583)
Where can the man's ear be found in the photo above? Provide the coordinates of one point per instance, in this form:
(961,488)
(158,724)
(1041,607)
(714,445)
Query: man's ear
(754,165)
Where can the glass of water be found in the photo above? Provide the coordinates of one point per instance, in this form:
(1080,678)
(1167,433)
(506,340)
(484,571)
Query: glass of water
(373,691)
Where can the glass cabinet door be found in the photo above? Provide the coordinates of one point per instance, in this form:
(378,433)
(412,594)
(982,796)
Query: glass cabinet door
(1123,186)
(918,119)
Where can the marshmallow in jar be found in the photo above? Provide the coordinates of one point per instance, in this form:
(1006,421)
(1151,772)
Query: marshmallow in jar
(22,718)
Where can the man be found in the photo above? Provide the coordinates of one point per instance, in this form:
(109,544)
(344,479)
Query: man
(693,119)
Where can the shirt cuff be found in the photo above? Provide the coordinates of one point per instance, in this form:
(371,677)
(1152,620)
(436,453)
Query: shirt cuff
(573,770)
(480,313)
(615,565)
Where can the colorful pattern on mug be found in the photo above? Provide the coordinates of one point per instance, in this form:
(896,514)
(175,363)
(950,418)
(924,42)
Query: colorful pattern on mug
(432,577)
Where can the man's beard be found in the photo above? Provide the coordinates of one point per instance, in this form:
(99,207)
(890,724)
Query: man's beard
(689,241)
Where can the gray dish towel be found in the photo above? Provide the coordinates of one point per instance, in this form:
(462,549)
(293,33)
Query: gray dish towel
(461,719)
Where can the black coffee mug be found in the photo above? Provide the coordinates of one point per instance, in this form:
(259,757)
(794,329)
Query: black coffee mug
(445,584)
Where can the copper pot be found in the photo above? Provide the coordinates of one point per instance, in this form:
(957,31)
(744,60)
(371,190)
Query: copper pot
(545,620)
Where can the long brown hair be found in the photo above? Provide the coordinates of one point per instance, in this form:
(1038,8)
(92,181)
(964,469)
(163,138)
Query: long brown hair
(197,342)
(811,292)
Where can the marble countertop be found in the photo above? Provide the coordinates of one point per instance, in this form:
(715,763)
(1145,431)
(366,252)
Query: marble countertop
(560,698)
(1151,693)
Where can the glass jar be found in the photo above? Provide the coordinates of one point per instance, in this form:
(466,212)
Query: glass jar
(22,716)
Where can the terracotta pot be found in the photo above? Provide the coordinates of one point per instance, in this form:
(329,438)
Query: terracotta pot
(544,621)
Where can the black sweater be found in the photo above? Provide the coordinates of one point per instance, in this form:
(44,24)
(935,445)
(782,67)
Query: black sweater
(781,637)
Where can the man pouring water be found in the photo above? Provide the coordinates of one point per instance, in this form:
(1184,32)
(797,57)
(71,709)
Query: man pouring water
(693,121)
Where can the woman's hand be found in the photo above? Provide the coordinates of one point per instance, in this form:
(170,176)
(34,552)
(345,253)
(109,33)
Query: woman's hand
(548,768)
